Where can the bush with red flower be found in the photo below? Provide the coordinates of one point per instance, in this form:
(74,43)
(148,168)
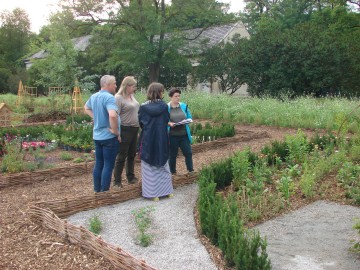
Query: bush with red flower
(33,145)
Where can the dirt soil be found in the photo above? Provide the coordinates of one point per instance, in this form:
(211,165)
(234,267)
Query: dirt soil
(25,245)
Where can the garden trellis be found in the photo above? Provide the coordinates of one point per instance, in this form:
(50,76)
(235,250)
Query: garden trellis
(77,102)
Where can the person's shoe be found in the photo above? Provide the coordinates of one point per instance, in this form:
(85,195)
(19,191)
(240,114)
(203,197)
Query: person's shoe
(191,173)
(133,181)
(170,196)
(156,199)
(117,184)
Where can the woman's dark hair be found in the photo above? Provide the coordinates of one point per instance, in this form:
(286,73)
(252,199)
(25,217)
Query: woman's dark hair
(173,91)
(155,91)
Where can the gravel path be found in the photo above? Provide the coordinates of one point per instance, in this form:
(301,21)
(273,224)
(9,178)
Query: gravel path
(315,237)
(175,241)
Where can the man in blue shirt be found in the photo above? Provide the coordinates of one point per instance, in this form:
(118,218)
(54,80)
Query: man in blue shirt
(102,107)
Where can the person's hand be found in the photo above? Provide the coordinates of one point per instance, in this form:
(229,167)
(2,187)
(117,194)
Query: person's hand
(116,133)
(171,124)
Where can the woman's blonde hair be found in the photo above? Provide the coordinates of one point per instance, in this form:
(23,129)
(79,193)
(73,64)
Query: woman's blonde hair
(127,81)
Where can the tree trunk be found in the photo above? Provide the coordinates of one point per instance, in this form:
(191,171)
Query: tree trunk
(154,72)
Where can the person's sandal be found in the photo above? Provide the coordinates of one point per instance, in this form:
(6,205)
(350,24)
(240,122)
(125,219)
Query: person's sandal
(170,196)
(156,199)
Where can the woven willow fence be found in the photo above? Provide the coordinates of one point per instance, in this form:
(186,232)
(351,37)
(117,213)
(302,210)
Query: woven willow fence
(81,236)
(78,169)
(222,142)
(26,178)
(47,123)
(50,215)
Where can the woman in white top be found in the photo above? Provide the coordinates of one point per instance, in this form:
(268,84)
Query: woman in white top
(128,110)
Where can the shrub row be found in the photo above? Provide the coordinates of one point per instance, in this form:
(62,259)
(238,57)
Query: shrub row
(248,185)
(210,132)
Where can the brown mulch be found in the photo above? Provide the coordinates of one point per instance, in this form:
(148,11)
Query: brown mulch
(48,116)
(24,245)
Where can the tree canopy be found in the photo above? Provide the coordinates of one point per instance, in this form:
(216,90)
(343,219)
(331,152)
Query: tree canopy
(300,47)
(146,31)
(14,44)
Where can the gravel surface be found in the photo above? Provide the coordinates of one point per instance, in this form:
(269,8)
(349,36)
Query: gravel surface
(175,241)
(315,237)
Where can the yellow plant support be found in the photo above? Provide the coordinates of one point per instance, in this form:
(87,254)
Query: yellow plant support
(77,102)
(20,95)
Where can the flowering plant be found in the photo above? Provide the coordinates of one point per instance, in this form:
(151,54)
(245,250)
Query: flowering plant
(3,141)
(34,145)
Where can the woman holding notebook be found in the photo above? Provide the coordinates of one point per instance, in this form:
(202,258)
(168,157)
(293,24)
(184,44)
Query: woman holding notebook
(179,131)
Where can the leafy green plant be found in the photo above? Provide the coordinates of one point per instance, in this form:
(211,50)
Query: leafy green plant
(95,224)
(286,186)
(143,222)
(298,147)
(355,153)
(276,152)
(293,171)
(66,156)
(349,177)
(88,157)
(78,160)
(13,160)
(240,168)
(356,246)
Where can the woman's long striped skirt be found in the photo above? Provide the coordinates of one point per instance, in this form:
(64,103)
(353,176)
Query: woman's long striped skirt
(156,181)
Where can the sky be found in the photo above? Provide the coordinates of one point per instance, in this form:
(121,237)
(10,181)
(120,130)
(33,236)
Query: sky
(39,10)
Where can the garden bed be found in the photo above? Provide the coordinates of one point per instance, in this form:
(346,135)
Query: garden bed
(25,245)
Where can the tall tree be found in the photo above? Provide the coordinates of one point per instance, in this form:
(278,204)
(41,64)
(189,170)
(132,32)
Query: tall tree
(149,27)
(14,44)
(60,67)
(316,57)
(14,34)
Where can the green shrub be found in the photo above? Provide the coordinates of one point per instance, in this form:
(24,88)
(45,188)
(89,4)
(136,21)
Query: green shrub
(143,222)
(221,173)
(13,160)
(95,225)
(322,142)
(78,160)
(209,132)
(356,247)
(240,167)
(286,186)
(66,156)
(354,153)
(349,177)
(78,118)
(275,151)
(298,148)
(220,222)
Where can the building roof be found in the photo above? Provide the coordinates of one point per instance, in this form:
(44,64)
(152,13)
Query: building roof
(200,39)
(213,35)
(80,44)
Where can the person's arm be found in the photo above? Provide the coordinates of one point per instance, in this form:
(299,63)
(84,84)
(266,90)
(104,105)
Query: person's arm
(113,119)
(88,111)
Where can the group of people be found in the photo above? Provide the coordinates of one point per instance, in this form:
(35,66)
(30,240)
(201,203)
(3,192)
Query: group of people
(118,117)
